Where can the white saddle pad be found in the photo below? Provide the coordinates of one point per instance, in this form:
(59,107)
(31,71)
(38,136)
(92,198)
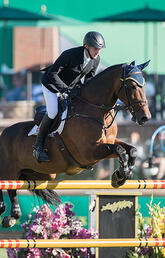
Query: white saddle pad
(34,130)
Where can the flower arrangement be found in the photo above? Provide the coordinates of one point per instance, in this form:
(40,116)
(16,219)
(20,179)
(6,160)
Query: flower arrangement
(154,229)
(62,224)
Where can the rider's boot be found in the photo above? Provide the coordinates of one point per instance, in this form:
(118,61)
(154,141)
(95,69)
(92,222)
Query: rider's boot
(38,148)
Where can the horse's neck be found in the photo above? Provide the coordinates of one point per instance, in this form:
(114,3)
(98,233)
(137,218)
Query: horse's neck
(102,89)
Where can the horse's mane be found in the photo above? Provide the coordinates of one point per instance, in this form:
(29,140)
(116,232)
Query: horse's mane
(108,69)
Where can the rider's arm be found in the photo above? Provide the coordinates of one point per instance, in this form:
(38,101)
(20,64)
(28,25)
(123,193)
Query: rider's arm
(53,71)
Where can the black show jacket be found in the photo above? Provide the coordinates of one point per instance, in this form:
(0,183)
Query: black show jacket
(68,69)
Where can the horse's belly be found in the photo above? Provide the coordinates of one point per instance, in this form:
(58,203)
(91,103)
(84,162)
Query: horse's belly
(73,171)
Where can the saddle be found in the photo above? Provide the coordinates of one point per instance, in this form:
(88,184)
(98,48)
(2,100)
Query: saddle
(64,100)
(41,110)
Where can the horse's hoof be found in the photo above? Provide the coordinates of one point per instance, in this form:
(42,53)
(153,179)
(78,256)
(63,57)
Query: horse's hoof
(16,211)
(8,222)
(2,208)
(117,179)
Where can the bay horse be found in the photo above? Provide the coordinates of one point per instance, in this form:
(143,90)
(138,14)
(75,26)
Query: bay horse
(89,134)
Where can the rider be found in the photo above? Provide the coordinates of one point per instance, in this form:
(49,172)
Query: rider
(66,73)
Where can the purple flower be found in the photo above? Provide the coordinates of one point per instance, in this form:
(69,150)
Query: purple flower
(148,231)
(11,252)
(44,224)
(145,251)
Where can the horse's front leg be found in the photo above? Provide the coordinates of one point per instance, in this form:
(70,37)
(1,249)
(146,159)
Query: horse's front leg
(125,170)
(115,151)
(9,221)
(131,152)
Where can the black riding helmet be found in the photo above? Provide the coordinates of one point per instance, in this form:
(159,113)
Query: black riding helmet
(94,39)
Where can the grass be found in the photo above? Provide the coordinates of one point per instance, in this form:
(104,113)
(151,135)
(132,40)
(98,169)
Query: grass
(3,253)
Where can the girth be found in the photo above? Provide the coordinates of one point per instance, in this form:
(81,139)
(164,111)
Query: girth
(67,155)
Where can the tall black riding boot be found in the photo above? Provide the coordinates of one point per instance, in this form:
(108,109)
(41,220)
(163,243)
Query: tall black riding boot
(38,147)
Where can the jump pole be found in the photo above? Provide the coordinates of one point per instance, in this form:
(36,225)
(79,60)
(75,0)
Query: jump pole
(80,184)
(73,243)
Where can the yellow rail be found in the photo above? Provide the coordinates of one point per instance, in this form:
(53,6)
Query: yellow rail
(81,184)
(71,243)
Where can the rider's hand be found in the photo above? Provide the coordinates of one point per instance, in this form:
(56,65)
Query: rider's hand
(79,85)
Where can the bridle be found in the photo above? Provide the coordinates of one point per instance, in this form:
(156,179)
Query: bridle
(116,108)
(126,87)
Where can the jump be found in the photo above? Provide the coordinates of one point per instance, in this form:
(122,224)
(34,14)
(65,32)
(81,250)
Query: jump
(89,134)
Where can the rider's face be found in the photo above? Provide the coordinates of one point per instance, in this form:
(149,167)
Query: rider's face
(94,52)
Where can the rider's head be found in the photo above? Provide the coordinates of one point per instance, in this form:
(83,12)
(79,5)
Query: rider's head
(93,43)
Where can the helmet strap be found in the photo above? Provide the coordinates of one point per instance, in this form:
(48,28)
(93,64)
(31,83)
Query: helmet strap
(88,52)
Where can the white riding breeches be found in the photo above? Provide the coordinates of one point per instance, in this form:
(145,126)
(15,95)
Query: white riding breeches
(51,101)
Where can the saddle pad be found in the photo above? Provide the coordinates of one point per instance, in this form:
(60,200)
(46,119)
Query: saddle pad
(34,130)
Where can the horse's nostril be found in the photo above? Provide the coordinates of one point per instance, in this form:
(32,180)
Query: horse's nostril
(144,119)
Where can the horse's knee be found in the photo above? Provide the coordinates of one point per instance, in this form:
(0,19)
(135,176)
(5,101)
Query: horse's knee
(121,153)
(119,149)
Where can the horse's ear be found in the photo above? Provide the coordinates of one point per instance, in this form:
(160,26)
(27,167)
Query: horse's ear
(132,63)
(142,66)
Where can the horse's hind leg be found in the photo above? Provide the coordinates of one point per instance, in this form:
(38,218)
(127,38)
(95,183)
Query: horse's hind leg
(9,221)
(2,205)
(15,208)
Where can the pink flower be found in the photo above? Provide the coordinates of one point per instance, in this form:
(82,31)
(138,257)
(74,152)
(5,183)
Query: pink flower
(84,250)
(34,252)
(38,229)
(148,231)
(44,224)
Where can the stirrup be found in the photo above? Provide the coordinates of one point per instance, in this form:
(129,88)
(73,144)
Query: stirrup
(39,154)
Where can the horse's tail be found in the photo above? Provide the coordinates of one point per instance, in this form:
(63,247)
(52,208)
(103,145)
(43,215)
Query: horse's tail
(49,196)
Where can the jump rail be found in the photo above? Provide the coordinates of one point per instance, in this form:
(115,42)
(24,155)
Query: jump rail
(72,243)
(80,184)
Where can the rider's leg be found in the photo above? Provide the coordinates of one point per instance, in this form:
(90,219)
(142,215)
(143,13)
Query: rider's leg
(52,110)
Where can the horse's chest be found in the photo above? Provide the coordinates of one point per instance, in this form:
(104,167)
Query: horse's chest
(110,134)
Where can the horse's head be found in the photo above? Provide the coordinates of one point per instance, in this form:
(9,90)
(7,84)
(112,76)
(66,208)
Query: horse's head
(132,92)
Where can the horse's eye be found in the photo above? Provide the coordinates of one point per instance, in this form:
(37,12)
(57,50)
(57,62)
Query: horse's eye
(133,86)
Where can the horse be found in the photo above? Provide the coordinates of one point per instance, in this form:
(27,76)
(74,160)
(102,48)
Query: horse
(89,135)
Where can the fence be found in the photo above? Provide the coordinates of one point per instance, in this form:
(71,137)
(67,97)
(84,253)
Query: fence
(80,184)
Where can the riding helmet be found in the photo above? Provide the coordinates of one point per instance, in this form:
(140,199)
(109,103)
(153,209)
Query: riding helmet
(94,39)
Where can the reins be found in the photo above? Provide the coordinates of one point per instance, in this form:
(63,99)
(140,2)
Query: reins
(102,107)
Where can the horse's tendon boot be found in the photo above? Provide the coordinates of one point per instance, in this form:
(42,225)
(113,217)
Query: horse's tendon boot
(132,156)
